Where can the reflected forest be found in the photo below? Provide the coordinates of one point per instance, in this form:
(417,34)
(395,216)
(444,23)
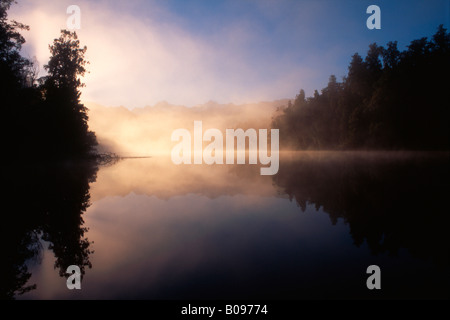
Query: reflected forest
(49,156)
(381,186)
(390,100)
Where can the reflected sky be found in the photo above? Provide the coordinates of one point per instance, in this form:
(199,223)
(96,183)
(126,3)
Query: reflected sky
(162,231)
(159,177)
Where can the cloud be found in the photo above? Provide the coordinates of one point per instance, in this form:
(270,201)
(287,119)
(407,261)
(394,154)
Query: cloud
(137,61)
(143,52)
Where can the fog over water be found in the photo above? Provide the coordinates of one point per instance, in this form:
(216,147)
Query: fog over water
(147,131)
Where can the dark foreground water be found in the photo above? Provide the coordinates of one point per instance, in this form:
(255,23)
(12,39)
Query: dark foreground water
(148,229)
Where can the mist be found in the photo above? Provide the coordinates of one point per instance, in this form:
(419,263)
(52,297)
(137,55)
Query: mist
(147,131)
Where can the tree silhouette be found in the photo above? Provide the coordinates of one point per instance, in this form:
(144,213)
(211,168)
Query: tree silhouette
(12,64)
(49,159)
(16,98)
(388,100)
(44,118)
(67,62)
(61,92)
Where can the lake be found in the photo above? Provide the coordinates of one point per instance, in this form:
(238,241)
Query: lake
(144,228)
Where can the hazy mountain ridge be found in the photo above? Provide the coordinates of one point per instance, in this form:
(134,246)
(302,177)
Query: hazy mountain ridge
(147,131)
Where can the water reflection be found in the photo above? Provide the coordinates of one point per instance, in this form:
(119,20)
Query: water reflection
(163,231)
(159,177)
(390,200)
(45,204)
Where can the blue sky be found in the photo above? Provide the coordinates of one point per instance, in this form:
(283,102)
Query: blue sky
(190,52)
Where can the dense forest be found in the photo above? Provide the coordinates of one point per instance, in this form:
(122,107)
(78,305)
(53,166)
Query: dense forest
(43,118)
(45,133)
(389,100)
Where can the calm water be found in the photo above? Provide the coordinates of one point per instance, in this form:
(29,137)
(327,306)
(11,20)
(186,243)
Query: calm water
(148,229)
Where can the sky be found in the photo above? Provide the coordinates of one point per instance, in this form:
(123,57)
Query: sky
(232,51)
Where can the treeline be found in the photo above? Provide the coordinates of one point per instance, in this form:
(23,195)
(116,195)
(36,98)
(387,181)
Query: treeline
(43,118)
(391,99)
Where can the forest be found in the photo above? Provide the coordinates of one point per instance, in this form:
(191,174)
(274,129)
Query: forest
(390,100)
(43,118)
(50,157)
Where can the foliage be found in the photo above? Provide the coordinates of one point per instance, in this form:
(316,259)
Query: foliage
(44,117)
(389,100)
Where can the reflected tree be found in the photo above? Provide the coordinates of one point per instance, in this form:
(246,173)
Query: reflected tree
(45,121)
(390,202)
(45,203)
